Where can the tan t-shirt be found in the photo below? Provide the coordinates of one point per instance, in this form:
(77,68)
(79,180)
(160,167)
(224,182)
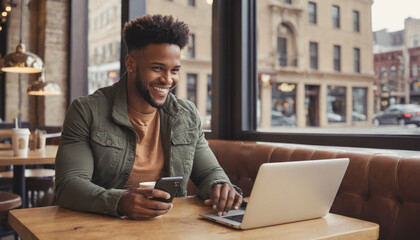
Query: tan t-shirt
(149,163)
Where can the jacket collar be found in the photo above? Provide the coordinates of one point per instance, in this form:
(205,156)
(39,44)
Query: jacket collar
(173,108)
(119,109)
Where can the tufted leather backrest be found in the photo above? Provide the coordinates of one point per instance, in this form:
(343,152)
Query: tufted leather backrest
(376,187)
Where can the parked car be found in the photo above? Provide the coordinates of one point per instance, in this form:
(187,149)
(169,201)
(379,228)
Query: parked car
(398,114)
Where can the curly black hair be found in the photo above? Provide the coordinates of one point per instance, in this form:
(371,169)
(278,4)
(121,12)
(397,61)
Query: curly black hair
(142,31)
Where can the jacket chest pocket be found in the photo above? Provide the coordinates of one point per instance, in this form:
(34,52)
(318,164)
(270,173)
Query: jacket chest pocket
(108,150)
(183,150)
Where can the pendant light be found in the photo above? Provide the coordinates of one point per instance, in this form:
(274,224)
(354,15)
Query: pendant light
(43,88)
(21,61)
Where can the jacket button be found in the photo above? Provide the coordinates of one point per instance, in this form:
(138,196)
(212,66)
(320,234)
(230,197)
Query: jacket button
(108,141)
(126,174)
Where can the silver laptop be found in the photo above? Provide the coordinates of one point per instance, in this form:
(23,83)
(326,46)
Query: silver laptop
(288,192)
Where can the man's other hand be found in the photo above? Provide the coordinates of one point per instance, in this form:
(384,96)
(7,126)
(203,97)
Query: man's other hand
(223,197)
(137,204)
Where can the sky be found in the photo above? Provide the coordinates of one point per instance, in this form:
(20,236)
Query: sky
(390,14)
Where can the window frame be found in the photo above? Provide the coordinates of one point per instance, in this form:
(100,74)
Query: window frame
(356,60)
(191,46)
(313,58)
(312,17)
(234,108)
(414,70)
(234,78)
(194,77)
(337,58)
(356,21)
(335,19)
(191,3)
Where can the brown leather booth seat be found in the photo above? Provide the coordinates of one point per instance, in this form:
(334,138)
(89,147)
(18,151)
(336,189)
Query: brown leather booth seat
(380,188)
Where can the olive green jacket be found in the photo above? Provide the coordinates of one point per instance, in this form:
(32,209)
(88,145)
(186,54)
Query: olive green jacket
(98,146)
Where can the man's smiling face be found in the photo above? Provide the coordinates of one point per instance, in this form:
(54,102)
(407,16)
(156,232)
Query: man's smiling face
(157,72)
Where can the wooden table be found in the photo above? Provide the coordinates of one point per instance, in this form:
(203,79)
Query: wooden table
(182,222)
(46,156)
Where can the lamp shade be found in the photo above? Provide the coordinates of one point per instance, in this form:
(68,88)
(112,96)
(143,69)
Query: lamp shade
(21,61)
(43,88)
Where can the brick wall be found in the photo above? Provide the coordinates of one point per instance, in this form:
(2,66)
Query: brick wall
(45,32)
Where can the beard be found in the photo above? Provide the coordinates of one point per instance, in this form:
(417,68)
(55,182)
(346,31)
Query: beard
(145,93)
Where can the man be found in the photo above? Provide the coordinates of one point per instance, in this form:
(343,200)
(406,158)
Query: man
(137,131)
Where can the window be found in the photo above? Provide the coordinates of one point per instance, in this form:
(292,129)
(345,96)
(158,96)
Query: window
(103,64)
(336,106)
(191,3)
(239,98)
(207,119)
(337,58)
(356,21)
(313,55)
(383,74)
(192,88)
(392,84)
(312,12)
(286,46)
(359,112)
(287,1)
(356,60)
(283,112)
(416,40)
(191,46)
(336,16)
(414,70)
(282,51)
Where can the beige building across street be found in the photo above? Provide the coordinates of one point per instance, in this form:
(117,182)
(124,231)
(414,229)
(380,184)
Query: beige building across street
(315,62)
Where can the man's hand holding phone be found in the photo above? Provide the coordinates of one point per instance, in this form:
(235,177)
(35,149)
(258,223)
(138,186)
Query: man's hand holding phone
(142,203)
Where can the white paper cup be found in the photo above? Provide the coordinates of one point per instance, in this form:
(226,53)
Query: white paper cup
(20,141)
(149,185)
(42,140)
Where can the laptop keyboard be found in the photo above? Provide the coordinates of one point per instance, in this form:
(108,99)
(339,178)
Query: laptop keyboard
(236,218)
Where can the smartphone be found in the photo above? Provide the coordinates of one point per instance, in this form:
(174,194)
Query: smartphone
(169,185)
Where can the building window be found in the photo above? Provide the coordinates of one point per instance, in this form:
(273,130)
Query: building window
(336,105)
(191,3)
(287,1)
(192,87)
(414,70)
(191,46)
(313,55)
(356,21)
(337,58)
(415,86)
(359,112)
(392,84)
(283,111)
(416,40)
(282,51)
(312,12)
(356,60)
(207,119)
(336,16)
(383,74)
